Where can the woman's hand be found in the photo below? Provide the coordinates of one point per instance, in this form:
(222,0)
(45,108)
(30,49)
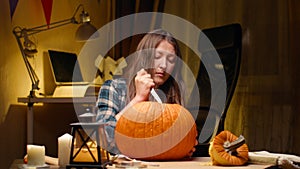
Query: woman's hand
(143,85)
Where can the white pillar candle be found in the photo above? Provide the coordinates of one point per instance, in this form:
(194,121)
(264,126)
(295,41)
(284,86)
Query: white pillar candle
(64,148)
(35,155)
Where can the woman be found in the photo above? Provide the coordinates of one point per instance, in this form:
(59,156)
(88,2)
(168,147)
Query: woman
(155,65)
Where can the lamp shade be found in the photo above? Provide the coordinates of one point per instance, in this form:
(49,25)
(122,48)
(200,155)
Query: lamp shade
(86,31)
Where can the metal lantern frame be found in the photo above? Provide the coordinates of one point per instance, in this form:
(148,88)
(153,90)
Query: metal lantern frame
(85,132)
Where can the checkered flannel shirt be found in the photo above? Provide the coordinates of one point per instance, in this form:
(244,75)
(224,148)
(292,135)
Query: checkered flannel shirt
(111,100)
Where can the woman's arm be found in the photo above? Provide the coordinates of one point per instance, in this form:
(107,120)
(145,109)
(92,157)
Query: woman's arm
(111,100)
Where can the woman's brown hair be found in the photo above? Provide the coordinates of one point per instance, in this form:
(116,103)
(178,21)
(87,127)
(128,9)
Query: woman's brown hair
(144,58)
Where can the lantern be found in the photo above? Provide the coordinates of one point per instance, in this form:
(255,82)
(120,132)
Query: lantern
(85,148)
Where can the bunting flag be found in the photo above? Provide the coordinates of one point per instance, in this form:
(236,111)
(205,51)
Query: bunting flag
(13,5)
(47,6)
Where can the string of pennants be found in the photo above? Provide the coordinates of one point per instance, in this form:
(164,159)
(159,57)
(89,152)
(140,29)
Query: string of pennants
(47,7)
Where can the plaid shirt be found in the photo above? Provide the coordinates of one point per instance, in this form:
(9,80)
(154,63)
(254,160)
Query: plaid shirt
(111,100)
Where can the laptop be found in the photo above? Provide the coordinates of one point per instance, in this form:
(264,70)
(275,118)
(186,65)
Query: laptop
(65,68)
(67,75)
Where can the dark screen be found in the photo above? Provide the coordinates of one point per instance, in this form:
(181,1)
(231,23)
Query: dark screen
(65,66)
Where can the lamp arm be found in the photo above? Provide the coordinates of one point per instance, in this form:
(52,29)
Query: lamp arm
(33,76)
(25,32)
(21,33)
(37,29)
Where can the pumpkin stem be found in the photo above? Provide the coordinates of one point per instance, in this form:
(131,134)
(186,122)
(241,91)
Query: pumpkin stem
(232,146)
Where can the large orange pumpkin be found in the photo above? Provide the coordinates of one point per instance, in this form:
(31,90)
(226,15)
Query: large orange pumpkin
(155,131)
(228,149)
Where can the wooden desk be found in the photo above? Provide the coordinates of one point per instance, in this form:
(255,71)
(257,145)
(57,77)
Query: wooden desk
(195,163)
(201,162)
(30,101)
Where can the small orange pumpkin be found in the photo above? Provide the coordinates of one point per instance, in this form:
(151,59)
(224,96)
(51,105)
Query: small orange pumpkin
(227,149)
(155,131)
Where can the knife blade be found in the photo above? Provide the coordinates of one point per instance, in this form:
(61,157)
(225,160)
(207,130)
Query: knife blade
(155,95)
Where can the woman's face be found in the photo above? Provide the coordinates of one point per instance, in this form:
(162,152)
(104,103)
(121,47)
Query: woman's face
(164,62)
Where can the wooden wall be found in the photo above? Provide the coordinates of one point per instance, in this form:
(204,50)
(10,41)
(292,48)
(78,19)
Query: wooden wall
(265,105)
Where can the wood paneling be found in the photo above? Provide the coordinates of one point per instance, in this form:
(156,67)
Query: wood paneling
(264,107)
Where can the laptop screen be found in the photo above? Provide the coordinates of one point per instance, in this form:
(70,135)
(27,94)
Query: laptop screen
(65,67)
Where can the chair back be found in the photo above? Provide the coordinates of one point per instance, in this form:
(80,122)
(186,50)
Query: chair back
(227,45)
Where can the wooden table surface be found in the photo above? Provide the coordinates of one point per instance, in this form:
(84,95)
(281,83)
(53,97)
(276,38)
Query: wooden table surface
(194,163)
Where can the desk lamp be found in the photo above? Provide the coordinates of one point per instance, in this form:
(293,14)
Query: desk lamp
(28,48)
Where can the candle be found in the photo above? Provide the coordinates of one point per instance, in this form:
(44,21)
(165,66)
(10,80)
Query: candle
(64,148)
(35,155)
